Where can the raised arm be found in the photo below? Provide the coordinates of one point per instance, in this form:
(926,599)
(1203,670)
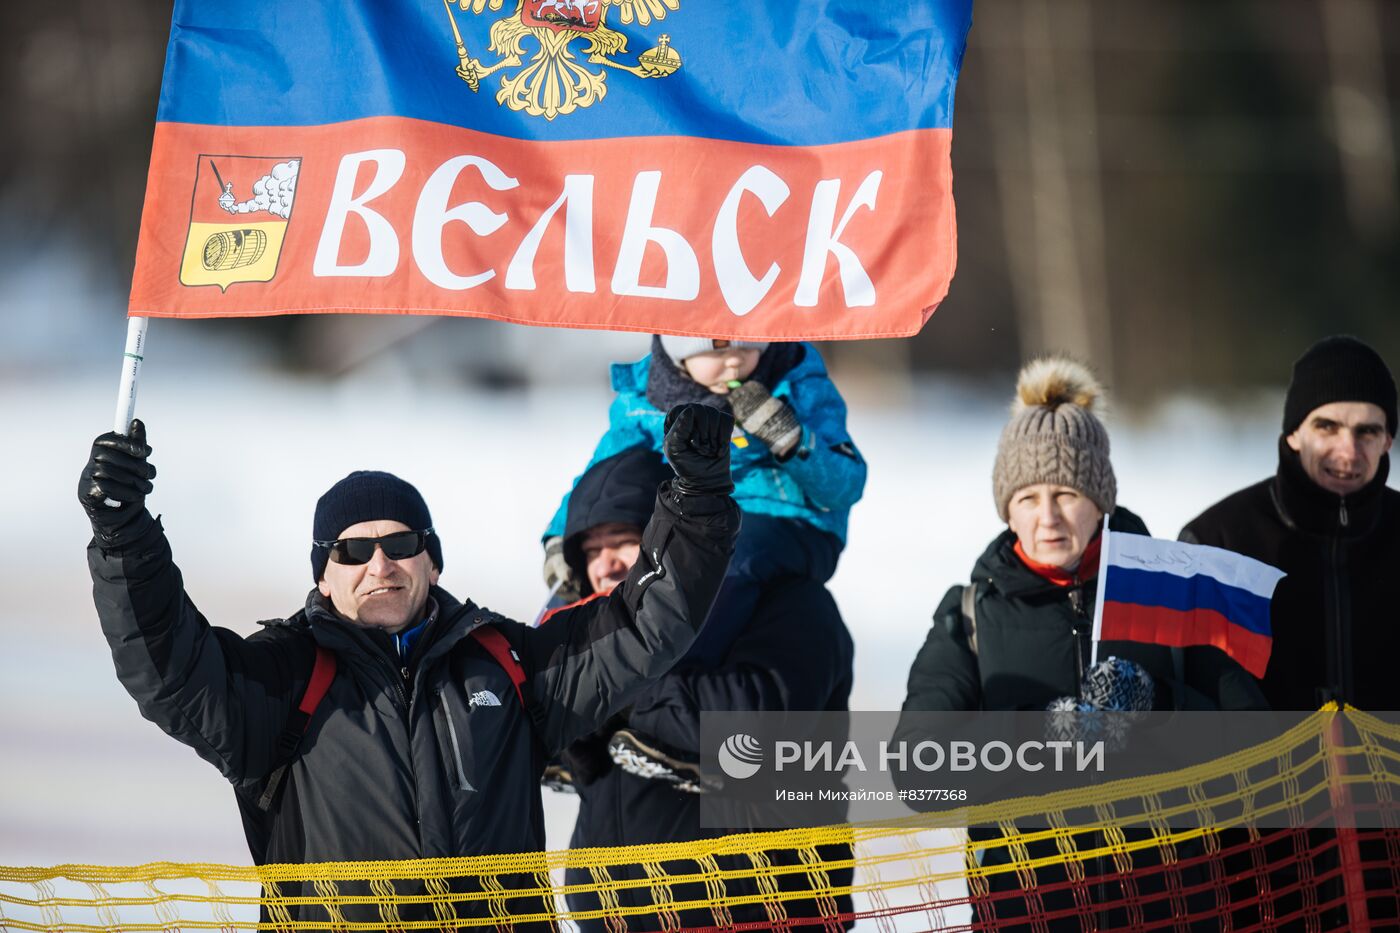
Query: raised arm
(225,697)
(592,659)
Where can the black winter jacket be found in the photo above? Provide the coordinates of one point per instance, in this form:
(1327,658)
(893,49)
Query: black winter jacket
(437,759)
(1335,619)
(795,654)
(1033,640)
(1033,643)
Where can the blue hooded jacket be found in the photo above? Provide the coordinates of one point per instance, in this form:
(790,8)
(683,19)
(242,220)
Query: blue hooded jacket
(818,484)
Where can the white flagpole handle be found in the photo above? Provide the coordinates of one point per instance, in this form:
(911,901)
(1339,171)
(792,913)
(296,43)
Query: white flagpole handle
(131,370)
(1097,633)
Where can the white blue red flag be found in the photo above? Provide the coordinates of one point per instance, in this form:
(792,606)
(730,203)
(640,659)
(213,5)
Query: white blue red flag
(746,170)
(1170,593)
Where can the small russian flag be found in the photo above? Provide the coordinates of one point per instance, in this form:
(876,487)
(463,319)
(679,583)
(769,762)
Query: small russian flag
(1170,593)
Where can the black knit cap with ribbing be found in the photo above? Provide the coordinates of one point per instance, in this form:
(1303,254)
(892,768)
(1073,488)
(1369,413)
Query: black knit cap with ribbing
(1339,369)
(368,496)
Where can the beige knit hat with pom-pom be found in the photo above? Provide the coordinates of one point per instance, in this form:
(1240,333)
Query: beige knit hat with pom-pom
(1053,435)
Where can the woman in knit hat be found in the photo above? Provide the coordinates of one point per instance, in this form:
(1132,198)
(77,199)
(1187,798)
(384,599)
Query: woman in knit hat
(1017,636)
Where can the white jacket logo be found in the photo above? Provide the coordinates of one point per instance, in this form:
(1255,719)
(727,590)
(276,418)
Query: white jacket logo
(483,698)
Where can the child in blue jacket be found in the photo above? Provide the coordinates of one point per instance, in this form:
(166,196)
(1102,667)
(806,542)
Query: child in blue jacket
(796,471)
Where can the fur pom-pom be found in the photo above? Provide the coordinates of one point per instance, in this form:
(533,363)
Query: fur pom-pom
(1054,381)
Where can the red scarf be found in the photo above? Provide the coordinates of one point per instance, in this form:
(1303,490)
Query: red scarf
(1088,565)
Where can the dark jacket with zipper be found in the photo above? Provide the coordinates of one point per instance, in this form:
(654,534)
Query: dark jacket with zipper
(426,758)
(1033,645)
(1335,623)
(796,654)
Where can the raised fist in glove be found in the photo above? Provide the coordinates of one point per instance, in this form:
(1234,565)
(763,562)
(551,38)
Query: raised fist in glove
(558,575)
(769,419)
(117,471)
(697,447)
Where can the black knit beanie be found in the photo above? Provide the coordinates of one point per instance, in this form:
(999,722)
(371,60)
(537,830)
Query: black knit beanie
(368,496)
(1338,369)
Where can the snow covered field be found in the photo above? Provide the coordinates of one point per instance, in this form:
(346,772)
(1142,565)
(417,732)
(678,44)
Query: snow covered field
(244,455)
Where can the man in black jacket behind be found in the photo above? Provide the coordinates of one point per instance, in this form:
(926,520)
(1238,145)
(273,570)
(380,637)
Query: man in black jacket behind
(795,654)
(428,742)
(1328,520)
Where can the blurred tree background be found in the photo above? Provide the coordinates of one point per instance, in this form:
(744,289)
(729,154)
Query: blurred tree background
(1184,193)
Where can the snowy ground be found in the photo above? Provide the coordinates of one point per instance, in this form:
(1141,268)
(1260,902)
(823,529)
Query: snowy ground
(242,458)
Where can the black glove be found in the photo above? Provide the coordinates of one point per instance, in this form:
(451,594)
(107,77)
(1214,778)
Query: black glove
(117,470)
(697,446)
(769,419)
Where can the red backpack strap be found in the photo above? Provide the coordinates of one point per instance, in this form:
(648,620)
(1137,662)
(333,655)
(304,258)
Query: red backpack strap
(322,673)
(499,648)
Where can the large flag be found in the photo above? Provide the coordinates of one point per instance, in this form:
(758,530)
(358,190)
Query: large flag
(1170,593)
(762,170)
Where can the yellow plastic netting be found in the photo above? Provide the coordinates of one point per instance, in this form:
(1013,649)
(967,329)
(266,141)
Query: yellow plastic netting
(1105,856)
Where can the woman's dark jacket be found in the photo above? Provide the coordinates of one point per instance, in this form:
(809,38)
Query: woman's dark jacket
(1033,644)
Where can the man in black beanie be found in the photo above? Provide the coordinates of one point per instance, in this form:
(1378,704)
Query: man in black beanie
(386,719)
(1327,519)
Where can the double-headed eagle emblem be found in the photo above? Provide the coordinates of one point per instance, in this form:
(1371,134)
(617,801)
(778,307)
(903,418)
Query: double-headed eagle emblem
(554,81)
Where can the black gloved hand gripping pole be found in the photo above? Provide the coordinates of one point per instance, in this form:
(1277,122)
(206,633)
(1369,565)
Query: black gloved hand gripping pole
(131,371)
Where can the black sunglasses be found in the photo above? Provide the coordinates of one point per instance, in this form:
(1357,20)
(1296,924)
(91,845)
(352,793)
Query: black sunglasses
(401,545)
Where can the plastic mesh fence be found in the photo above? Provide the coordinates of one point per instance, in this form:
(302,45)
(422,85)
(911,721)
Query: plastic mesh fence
(1096,858)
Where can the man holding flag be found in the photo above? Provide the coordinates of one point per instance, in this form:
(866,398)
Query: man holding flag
(386,719)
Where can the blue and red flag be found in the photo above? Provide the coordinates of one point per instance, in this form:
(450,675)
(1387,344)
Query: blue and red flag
(761,170)
(1171,593)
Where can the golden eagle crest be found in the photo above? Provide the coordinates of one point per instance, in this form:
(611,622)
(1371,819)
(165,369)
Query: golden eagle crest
(554,81)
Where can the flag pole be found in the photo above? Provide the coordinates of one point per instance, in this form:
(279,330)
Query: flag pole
(1098,596)
(131,369)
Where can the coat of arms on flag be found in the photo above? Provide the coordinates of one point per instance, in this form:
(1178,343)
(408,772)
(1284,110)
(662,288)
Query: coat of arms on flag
(554,82)
(238,219)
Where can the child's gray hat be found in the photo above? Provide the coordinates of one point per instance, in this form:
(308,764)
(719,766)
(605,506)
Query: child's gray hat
(679,348)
